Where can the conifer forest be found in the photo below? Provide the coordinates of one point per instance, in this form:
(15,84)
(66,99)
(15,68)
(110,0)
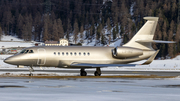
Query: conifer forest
(42,20)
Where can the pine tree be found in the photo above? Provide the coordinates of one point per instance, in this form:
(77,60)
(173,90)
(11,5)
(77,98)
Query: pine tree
(164,31)
(7,18)
(60,28)
(114,33)
(108,24)
(99,30)
(25,32)
(81,34)
(20,25)
(69,28)
(170,35)
(55,31)
(102,39)
(1,33)
(37,27)
(177,39)
(45,32)
(76,31)
(29,27)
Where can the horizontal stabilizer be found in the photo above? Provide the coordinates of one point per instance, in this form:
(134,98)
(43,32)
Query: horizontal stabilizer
(151,58)
(154,41)
(88,65)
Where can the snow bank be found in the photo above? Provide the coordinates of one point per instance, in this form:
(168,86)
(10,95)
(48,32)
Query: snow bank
(8,38)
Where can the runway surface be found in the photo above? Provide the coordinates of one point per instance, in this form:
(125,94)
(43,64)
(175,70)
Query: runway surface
(104,72)
(85,89)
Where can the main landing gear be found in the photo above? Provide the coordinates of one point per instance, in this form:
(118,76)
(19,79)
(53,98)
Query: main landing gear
(83,72)
(96,73)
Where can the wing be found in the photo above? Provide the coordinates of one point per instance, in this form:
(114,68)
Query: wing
(88,65)
(154,41)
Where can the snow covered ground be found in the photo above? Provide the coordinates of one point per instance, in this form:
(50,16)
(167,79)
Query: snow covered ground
(10,38)
(29,89)
(10,41)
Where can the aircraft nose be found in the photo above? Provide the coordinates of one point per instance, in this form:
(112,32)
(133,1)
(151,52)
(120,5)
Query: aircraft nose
(10,60)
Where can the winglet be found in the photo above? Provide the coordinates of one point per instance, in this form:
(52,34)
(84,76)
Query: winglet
(151,58)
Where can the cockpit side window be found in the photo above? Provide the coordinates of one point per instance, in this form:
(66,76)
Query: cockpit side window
(31,51)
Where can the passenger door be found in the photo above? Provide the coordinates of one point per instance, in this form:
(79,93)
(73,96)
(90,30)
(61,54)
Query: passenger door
(41,56)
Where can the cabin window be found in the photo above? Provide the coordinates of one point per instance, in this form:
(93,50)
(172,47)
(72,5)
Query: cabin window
(62,53)
(79,53)
(88,53)
(31,51)
(58,53)
(71,53)
(66,53)
(74,53)
(54,53)
(84,53)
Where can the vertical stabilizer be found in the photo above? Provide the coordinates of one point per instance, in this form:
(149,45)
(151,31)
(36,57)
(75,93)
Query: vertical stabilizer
(145,33)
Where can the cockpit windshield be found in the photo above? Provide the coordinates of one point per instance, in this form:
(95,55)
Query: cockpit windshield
(22,51)
(27,51)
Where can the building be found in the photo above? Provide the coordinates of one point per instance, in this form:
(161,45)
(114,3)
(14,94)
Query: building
(61,42)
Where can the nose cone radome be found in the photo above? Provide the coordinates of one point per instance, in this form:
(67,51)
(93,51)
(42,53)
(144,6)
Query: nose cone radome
(10,60)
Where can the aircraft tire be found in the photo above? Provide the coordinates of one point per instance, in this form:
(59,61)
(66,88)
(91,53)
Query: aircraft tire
(83,73)
(30,74)
(97,74)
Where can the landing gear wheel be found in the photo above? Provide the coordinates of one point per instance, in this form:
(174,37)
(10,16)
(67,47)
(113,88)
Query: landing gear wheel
(30,74)
(96,73)
(31,70)
(83,73)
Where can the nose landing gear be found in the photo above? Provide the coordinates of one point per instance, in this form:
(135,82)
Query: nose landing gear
(31,70)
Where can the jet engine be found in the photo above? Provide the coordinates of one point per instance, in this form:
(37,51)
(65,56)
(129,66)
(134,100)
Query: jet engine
(126,52)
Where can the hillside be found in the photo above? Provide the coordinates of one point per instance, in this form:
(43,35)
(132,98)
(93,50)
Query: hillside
(90,22)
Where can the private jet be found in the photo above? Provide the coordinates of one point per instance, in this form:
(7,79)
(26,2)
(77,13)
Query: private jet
(83,57)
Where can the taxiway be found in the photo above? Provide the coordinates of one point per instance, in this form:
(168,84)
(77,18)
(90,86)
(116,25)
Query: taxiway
(91,72)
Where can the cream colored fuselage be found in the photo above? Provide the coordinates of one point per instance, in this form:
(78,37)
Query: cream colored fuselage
(63,57)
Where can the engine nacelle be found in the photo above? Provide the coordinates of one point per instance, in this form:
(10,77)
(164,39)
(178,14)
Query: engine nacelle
(126,52)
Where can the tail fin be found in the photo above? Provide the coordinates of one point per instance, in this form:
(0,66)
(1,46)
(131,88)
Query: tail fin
(145,33)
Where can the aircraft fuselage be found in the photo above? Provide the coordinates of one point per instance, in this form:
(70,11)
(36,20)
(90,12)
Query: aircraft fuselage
(59,56)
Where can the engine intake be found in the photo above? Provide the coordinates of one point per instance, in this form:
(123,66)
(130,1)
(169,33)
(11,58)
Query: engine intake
(126,52)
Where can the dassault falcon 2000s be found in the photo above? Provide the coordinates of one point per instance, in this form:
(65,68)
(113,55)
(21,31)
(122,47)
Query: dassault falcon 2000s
(138,48)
